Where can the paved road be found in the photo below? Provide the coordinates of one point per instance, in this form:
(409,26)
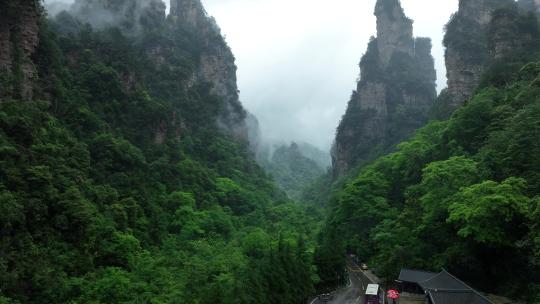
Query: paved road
(353,294)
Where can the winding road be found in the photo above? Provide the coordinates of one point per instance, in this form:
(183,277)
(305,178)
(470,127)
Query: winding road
(354,293)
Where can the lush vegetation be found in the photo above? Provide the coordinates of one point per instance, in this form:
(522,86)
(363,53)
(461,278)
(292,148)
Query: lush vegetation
(117,185)
(292,169)
(461,194)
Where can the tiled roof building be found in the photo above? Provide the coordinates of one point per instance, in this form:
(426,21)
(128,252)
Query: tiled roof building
(442,288)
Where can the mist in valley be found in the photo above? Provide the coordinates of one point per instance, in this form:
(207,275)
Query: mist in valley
(298,60)
(179,151)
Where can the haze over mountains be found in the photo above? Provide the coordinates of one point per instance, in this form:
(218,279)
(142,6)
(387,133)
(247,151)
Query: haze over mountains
(296,77)
(131,171)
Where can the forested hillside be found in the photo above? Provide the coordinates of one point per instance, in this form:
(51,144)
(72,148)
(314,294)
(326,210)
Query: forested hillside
(462,194)
(125,174)
(295,167)
(128,170)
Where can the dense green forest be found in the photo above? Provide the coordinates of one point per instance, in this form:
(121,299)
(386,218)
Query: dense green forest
(294,167)
(121,181)
(118,186)
(461,194)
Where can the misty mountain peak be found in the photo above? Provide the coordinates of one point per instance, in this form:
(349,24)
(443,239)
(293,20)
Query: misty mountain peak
(129,15)
(397,76)
(394,30)
(480,11)
(390,7)
(191,12)
(216,65)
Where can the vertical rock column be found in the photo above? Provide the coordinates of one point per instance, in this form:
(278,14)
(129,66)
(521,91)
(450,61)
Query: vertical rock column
(397,72)
(19,37)
(216,62)
(394,31)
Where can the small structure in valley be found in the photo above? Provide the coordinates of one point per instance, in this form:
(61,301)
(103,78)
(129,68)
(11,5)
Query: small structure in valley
(440,288)
(411,279)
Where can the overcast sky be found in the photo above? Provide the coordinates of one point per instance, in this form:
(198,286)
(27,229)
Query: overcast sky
(298,59)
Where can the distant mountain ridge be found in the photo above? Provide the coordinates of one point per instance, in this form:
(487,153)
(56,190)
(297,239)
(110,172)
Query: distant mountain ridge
(294,166)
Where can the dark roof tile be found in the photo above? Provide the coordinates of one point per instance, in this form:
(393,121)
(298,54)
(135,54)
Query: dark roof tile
(457,297)
(444,280)
(415,276)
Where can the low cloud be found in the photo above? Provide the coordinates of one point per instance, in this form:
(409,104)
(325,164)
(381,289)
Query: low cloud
(298,59)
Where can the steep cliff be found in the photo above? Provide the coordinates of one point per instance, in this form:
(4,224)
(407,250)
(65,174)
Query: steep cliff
(216,62)
(213,61)
(19,38)
(394,31)
(480,33)
(396,87)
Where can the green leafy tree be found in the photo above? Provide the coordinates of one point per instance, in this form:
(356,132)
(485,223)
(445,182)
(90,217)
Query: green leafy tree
(491,213)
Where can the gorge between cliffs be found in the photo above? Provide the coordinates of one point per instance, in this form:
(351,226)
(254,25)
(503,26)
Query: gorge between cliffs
(133,169)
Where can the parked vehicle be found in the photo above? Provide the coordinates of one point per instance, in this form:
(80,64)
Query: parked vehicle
(373,294)
(364,266)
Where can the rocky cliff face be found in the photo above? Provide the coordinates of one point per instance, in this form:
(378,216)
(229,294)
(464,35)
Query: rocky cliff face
(474,38)
(396,87)
(190,12)
(394,31)
(19,38)
(511,32)
(213,60)
(216,62)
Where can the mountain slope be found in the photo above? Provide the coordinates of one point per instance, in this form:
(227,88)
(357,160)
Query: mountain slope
(461,194)
(125,172)
(292,169)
